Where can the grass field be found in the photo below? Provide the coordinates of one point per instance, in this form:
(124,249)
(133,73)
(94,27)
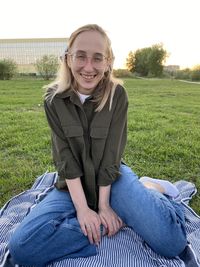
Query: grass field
(163,138)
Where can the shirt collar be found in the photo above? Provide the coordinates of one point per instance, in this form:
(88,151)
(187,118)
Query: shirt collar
(70,93)
(65,94)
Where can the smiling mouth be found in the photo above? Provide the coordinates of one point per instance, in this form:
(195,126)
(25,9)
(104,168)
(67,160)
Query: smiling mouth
(88,77)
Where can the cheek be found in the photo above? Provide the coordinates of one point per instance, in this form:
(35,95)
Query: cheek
(103,70)
(100,75)
(75,70)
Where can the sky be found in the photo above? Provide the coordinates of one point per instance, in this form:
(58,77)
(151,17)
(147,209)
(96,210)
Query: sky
(130,24)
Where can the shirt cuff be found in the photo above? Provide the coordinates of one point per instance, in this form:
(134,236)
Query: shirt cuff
(68,171)
(108,175)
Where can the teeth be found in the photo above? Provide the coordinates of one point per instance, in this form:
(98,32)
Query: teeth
(89,77)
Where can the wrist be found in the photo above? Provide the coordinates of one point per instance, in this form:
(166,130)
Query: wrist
(77,194)
(79,206)
(103,205)
(104,197)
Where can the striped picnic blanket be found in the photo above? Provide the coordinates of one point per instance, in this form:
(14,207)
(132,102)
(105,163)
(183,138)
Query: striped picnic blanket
(125,249)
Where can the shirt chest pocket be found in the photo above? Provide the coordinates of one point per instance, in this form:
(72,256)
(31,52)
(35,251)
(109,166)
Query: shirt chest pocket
(75,140)
(99,133)
(73,131)
(98,140)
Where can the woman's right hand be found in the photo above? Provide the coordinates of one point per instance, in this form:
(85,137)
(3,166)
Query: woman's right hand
(88,219)
(90,223)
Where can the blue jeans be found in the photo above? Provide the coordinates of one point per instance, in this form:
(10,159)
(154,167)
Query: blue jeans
(51,231)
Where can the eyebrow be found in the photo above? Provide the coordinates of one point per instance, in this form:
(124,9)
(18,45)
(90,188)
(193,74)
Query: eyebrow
(84,52)
(80,51)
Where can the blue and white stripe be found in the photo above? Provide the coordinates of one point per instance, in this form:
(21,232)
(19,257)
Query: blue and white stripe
(125,249)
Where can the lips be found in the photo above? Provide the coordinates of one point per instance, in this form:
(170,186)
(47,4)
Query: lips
(88,77)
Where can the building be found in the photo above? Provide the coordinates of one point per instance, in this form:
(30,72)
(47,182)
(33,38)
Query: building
(25,52)
(172,68)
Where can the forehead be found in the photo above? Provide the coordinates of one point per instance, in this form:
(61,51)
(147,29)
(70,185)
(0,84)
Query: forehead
(90,42)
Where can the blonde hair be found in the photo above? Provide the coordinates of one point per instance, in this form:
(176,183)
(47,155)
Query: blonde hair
(106,87)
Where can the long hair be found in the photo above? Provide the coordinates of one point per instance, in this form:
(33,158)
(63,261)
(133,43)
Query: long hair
(105,89)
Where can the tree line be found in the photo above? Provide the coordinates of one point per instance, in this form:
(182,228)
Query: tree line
(149,62)
(144,62)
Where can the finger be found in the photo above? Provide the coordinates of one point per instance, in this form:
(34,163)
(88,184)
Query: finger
(83,228)
(103,221)
(120,221)
(96,233)
(98,222)
(114,227)
(111,228)
(117,223)
(89,234)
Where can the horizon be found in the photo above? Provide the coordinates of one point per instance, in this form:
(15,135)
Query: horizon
(64,38)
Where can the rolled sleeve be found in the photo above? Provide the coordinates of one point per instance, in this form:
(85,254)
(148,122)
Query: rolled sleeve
(108,175)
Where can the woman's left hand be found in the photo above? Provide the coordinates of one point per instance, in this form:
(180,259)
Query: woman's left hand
(110,220)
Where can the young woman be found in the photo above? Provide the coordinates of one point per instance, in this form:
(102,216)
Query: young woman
(95,193)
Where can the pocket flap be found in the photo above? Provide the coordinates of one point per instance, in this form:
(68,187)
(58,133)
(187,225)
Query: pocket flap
(73,131)
(99,132)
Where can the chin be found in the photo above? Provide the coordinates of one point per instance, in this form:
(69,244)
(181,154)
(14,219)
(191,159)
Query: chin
(87,87)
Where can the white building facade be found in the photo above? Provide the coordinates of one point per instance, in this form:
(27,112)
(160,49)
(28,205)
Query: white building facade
(25,52)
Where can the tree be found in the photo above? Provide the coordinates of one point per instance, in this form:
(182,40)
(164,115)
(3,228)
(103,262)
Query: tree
(195,73)
(157,57)
(47,66)
(130,61)
(8,69)
(141,64)
(147,61)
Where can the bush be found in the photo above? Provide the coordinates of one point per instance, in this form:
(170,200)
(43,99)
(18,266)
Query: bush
(184,74)
(47,66)
(8,69)
(195,73)
(122,73)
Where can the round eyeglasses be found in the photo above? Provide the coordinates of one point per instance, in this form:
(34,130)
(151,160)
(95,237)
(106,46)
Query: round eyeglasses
(81,59)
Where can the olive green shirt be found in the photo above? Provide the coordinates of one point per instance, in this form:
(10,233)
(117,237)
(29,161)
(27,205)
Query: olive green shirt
(85,143)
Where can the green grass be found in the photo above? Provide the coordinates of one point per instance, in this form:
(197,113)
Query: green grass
(163,138)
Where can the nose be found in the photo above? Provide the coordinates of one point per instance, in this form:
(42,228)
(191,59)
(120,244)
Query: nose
(88,64)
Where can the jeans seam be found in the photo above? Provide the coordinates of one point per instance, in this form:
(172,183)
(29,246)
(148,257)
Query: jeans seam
(72,227)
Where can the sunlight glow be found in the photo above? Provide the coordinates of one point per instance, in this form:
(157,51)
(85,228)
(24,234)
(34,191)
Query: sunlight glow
(131,25)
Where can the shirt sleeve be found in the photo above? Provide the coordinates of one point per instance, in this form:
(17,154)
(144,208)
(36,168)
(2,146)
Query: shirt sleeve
(115,143)
(66,165)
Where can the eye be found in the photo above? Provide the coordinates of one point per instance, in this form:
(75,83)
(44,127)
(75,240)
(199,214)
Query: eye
(80,57)
(98,59)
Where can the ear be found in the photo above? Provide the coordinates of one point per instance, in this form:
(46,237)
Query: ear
(108,68)
(109,65)
(68,60)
